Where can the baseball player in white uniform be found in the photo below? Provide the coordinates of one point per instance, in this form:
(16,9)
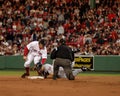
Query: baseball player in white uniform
(34,51)
(48,68)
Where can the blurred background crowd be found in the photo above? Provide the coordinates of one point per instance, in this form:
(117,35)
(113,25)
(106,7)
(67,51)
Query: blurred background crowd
(89,31)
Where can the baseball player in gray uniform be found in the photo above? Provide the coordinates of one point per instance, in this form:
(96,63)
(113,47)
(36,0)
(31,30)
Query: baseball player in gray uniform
(48,69)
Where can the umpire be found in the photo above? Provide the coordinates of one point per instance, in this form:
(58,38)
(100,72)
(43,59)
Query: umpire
(63,56)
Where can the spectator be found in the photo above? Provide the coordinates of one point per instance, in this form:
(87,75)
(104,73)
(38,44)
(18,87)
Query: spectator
(102,24)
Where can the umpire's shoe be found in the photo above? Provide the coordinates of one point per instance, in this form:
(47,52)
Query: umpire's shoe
(24,75)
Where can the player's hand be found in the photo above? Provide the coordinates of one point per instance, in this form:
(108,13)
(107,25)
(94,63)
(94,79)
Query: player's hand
(25,58)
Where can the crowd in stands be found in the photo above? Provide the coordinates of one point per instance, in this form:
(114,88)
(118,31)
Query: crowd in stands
(89,31)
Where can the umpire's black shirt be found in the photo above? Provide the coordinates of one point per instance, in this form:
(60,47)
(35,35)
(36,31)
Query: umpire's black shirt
(64,52)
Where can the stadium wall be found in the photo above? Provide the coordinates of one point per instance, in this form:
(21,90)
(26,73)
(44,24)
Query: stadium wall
(101,63)
(107,63)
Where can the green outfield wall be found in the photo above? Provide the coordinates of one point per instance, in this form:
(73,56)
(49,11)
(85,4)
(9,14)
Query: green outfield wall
(11,62)
(107,63)
(101,63)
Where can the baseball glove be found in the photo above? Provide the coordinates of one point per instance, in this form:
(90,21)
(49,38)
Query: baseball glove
(39,69)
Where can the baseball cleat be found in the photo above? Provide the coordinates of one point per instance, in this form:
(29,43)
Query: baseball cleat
(24,75)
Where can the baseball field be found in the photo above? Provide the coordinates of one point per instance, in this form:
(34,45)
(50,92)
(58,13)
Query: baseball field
(85,84)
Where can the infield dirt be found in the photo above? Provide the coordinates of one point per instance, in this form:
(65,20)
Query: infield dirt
(81,86)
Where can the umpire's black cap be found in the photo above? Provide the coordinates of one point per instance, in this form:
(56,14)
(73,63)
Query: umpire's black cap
(43,42)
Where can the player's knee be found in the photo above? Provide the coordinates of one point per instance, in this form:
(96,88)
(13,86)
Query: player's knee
(26,65)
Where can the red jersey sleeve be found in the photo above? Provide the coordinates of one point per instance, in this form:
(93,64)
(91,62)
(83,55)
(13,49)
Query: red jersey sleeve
(26,51)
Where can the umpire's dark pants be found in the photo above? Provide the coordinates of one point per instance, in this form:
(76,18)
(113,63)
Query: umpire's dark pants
(66,64)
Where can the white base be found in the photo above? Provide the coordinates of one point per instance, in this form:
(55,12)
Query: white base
(35,77)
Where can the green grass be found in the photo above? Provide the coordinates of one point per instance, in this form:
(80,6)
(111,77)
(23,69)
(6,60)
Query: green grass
(87,73)
(94,73)
(15,72)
